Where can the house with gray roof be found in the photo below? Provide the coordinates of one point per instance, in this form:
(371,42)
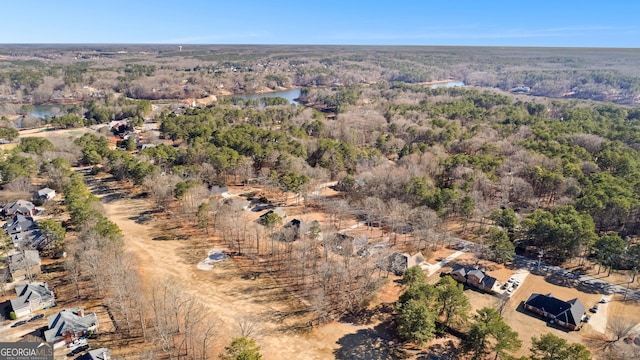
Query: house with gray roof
(32,239)
(21,207)
(23,265)
(475,277)
(69,325)
(97,354)
(32,297)
(567,314)
(19,223)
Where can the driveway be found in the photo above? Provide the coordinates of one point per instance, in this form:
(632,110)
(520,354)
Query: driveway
(598,321)
(432,268)
(520,275)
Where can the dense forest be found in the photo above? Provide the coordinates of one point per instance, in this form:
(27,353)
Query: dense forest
(556,176)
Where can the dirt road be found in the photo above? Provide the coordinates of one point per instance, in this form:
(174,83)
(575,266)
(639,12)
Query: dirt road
(222,289)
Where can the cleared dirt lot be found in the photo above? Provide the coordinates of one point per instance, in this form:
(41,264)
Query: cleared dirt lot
(283,331)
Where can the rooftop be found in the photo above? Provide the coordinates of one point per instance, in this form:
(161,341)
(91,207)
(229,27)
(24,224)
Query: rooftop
(69,320)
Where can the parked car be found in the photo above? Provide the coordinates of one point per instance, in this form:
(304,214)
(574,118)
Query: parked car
(504,286)
(516,283)
(510,291)
(605,300)
(77,343)
(78,350)
(586,318)
(629,339)
(19,323)
(594,309)
(37,317)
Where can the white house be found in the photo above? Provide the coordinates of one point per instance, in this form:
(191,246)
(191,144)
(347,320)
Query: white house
(45,194)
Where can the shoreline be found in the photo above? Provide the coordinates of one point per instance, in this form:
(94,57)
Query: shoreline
(206,100)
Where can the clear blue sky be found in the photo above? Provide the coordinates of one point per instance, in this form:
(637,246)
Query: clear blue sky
(598,23)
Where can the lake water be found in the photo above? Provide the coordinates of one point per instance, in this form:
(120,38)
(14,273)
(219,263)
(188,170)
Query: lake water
(447,84)
(290,95)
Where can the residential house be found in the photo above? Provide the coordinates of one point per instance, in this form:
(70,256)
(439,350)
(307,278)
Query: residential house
(239,204)
(277,211)
(300,227)
(294,223)
(97,354)
(346,245)
(20,223)
(118,127)
(24,265)
(475,277)
(21,207)
(69,325)
(400,262)
(567,314)
(32,239)
(45,194)
(32,297)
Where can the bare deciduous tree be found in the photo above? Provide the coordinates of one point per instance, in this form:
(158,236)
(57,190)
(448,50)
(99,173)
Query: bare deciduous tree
(247,325)
(609,344)
(20,184)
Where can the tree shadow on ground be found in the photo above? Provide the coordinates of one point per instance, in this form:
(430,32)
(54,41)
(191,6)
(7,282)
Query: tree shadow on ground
(560,280)
(441,351)
(52,268)
(144,216)
(589,288)
(369,344)
(171,237)
(367,316)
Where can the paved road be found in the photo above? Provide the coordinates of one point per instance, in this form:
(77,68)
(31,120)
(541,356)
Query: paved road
(532,264)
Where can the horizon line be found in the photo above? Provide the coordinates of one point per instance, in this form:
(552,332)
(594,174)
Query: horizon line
(313,45)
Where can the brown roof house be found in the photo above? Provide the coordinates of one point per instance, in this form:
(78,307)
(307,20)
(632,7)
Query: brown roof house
(567,314)
(474,277)
(32,297)
(69,325)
